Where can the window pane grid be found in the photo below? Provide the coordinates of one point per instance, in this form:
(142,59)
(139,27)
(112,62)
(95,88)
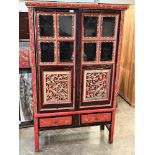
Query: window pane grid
(94,34)
(103,54)
(55,37)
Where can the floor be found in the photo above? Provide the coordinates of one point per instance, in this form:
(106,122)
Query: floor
(87,140)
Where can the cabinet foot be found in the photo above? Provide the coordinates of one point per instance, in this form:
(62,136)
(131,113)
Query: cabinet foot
(111,130)
(110,137)
(36,135)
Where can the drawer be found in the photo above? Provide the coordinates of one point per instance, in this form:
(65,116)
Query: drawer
(94,118)
(56,121)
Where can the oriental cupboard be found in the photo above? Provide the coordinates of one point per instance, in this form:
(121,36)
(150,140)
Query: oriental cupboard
(75,54)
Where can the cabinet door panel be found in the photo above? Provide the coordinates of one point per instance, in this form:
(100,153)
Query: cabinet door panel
(56,88)
(96,86)
(98,50)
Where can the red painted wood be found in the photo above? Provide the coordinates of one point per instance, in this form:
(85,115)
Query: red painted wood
(99,36)
(111,133)
(58,121)
(56,31)
(36,135)
(92,118)
(24,59)
(73,112)
(66,117)
(76,5)
(32,52)
(118,58)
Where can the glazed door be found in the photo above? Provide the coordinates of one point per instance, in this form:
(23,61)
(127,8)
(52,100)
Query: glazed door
(56,42)
(98,49)
(75,55)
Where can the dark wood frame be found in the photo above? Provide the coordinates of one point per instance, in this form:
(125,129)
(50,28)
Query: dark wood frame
(110,125)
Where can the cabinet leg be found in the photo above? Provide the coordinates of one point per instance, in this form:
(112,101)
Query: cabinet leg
(110,137)
(36,135)
(111,131)
(102,127)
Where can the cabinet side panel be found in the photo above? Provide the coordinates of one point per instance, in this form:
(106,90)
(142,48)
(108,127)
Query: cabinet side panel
(118,58)
(32,54)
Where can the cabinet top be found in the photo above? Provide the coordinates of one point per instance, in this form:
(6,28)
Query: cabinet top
(77,5)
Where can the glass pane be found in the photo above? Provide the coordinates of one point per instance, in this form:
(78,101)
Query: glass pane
(66,51)
(90,26)
(108,26)
(47,51)
(106,51)
(46,26)
(65,26)
(89,51)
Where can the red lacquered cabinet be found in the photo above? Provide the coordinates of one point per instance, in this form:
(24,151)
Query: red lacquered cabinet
(75,54)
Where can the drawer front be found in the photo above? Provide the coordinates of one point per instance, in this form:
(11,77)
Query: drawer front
(57,121)
(94,118)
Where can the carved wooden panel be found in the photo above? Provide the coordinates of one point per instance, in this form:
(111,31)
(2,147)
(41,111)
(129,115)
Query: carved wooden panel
(58,121)
(96,85)
(92,118)
(57,87)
